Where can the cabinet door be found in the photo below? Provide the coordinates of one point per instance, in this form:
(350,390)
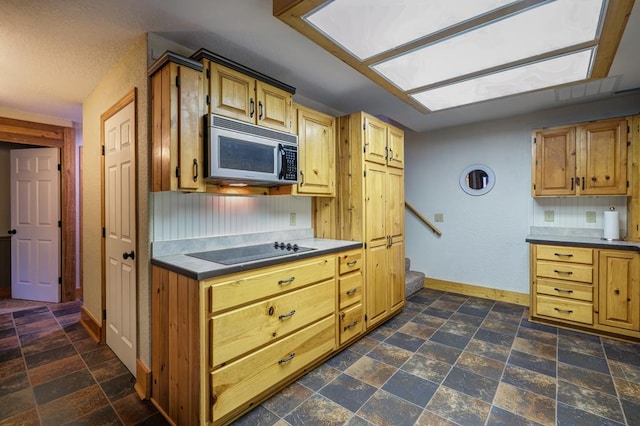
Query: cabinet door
(555,162)
(396,147)
(316,145)
(396,273)
(619,289)
(377,283)
(603,158)
(273,107)
(232,94)
(189,130)
(374,199)
(375,140)
(394,202)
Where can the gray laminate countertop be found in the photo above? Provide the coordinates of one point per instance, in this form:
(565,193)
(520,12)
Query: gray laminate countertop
(582,241)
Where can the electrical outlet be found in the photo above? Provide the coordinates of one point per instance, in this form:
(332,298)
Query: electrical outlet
(292,219)
(590,217)
(438,217)
(548,216)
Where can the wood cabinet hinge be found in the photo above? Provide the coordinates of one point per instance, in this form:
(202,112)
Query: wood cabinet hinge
(104,232)
(177,172)
(102,149)
(177,81)
(208,100)
(208,73)
(104,314)
(534,186)
(59,167)
(59,224)
(535,140)
(60,280)
(628,129)
(627,184)
(628,143)
(365,173)
(364,149)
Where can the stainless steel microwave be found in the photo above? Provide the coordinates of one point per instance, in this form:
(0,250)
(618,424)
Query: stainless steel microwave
(241,153)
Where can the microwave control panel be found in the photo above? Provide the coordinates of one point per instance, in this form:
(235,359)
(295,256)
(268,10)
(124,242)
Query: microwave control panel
(289,163)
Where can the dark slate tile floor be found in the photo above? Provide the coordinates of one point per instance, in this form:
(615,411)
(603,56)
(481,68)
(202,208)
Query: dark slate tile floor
(449,359)
(53,373)
(446,359)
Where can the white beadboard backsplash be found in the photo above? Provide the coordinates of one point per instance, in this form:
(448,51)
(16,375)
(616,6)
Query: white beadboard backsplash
(570,212)
(177,216)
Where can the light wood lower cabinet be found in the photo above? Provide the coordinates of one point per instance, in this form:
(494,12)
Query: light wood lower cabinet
(221,346)
(591,289)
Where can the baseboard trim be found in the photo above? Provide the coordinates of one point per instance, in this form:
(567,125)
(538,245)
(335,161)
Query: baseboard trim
(478,291)
(93,327)
(143,380)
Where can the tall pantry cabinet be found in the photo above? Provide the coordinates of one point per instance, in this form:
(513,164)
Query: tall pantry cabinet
(370,198)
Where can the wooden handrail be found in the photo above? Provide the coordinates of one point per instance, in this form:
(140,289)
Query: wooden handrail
(423,219)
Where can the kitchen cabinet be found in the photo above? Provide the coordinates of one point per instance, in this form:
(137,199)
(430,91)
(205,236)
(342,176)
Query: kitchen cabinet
(176,124)
(619,289)
(235,91)
(583,159)
(223,345)
(371,208)
(316,151)
(590,289)
(350,307)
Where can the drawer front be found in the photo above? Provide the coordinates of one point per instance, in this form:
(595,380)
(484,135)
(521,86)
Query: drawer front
(246,287)
(240,331)
(235,385)
(564,271)
(350,290)
(351,323)
(564,309)
(567,289)
(565,254)
(351,261)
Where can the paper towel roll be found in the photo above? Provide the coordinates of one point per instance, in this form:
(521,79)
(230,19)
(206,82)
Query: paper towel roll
(611,225)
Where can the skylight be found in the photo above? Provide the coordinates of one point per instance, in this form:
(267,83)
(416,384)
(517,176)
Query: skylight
(437,54)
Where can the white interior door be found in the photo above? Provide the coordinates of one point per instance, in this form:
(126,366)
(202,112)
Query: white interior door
(120,232)
(35,215)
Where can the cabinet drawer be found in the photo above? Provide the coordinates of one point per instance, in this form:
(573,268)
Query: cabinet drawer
(350,289)
(566,289)
(351,261)
(564,309)
(564,271)
(261,283)
(565,254)
(235,385)
(242,330)
(351,323)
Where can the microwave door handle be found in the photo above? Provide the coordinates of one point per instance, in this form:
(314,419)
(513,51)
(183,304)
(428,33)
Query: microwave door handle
(283,162)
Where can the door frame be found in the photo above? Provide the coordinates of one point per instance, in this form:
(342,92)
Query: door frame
(123,102)
(63,138)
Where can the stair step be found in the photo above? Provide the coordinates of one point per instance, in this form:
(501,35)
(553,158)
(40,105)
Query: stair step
(413,282)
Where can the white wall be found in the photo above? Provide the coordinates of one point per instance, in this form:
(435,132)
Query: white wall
(483,241)
(179,216)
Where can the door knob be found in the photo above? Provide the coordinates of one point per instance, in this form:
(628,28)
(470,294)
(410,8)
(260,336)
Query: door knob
(12,232)
(131,255)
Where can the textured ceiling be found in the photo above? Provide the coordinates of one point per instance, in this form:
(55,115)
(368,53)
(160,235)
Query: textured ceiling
(55,52)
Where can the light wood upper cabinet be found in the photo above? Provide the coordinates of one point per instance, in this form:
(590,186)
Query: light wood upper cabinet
(384,144)
(236,95)
(603,162)
(177,128)
(316,151)
(585,159)
(555,162)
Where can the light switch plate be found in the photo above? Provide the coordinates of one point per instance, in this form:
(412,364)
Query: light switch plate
(292,219)
(548,216)
(438,217)
(590,217)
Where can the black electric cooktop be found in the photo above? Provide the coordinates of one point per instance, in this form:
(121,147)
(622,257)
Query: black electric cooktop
(235,255)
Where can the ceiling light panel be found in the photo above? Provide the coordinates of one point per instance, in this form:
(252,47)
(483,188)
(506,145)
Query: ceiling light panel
(542,29)
(539,75)
(366,28)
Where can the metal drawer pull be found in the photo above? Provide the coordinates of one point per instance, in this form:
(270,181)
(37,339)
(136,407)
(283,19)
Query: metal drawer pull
(288,281)
(563,255)
(287,359)
(289,315)
(564,311)
(563,290)
(562,272)
(348,326)
(353,262)
(351,291)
